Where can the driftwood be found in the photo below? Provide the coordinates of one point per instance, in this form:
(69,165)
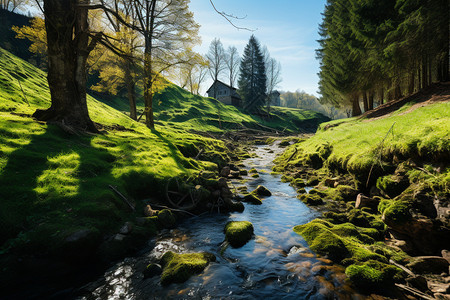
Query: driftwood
(174,209)
(296,149)
(408,271)
(122,197)
(178,199)
(414,291)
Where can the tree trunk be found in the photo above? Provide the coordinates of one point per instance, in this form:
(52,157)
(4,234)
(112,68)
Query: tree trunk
(356,109)
(397,91)
(148,93)
(411,84)
(68,49)
(130,89)
(381,96)
(371,100)
(365,102)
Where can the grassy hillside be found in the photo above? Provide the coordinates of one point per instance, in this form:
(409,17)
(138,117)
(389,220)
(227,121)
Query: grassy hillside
(53,184)
(178,108)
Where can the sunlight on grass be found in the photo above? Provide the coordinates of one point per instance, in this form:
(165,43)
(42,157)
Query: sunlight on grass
(60,179)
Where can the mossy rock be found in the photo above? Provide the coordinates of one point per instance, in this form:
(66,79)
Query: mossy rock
(166,218)
(235,206)
(255,175)
(392,185)
(322,240)
(312,181)
(262,191)
(301,191)
(238,233)
(317,192)
(336,218)
(284,143)
(373,275)
(253,171)
(357,217)
(397,212)
(178,268)
(252,198)
(346,192)
(298,183)
(312,200)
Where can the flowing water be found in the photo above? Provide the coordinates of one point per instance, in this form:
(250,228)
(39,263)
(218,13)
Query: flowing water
(275,264)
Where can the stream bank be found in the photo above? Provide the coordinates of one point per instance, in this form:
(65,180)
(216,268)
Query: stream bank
(276,262)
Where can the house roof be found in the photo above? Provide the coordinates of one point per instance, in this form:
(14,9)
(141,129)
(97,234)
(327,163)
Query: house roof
(218,81)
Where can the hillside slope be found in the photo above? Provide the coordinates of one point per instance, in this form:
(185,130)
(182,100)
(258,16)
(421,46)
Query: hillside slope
(53,184)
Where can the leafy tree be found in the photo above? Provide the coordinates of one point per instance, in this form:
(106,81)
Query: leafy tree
(273,75)
(35,33)
(252,78)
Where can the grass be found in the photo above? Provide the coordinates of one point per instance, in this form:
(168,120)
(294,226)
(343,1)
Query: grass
(354,145)
(196,113)
(53,184)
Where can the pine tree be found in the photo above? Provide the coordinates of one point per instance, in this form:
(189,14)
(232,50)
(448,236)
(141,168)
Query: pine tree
(252,79)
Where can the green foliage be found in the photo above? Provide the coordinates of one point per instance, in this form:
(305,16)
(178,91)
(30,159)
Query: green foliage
(180,267)
(252,76)
(238,233)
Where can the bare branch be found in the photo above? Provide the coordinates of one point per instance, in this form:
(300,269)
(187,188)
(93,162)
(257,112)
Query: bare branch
(228,16)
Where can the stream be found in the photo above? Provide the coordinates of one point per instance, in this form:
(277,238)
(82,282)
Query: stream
(275,264)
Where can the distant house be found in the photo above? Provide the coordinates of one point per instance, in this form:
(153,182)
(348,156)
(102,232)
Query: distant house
(224,93)
(275,98)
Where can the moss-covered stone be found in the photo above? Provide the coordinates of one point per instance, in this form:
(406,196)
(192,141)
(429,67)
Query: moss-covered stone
(255,175)
(373,275)
(252,198)
(238,233)
(253,171)
(180,267)
(397,212)
(392,185)
(262,191)
(311,199)
(312,181)
(166,218)
(346,192)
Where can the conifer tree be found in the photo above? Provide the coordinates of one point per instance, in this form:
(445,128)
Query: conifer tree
(252,78)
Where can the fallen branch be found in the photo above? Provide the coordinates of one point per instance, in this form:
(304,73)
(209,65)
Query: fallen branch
(408,271)
(380,148)
(198,155)
(296,149)
(123,197)
(414,291)
(174,209)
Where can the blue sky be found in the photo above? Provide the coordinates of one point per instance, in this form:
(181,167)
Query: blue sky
(289,29)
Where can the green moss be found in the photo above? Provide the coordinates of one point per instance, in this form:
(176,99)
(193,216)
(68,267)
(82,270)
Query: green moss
(238,233)
(311,199)
(255,175)
(180,267)
(373,275)
(346,192)
(392,185)
(253,171)
(166,219)
(397,212)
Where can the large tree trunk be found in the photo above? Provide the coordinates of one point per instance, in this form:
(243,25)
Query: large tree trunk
(130,89)
(148,92)
(68,49)
(356,109)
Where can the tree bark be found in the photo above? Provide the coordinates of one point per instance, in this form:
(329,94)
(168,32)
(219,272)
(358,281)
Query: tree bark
(130,89)
(365,102)
(356,109)
(397,91)
(381,96)
(411,83)
(371,96)
(68,49)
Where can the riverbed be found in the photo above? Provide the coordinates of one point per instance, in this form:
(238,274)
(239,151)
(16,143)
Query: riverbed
(275,264)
